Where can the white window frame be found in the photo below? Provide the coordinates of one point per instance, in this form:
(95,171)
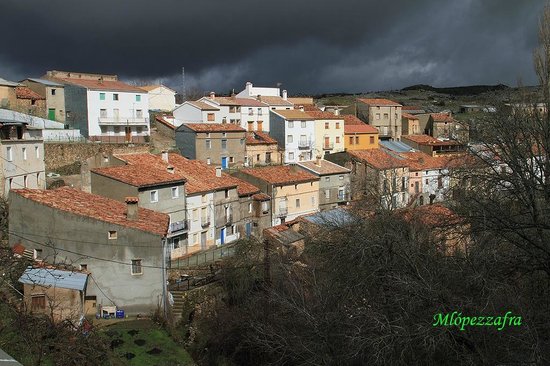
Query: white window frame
(9,153)
(175,192)
(154,196)
(112,234)
(290,124)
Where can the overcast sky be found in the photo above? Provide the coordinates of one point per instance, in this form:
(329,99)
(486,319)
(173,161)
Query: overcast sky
(314,46)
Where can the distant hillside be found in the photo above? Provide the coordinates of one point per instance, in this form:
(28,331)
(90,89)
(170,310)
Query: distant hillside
(459,90)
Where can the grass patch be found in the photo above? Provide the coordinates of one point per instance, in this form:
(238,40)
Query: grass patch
(142,342)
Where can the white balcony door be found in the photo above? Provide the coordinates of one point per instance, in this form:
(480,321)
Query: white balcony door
(116,114)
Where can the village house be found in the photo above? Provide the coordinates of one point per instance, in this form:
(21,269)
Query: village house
(104,108)
(433,146)
(165,125)
(214,143)
(29,102)
(410,124)
(413,109)
(161,97)
(377,176)
(261,149)
(329,133)
(120,245)
(57,293)
(196,112)
(54,94)
(7,93)
(295,132)
(21,157)
(444,127)
(293,191)
(273,97)
(383,114)
(360,137)
(334,182)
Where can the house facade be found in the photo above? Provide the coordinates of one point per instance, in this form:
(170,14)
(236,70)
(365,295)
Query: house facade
(29,102)
(221,144)
(329,133)
(54,94)
(104,108)
(433,146)
(7,93)
(261,149)
(197,112)
(360,137)
(273,97)
(443,126)
(161,98)
(120,245)
(383,114)
(295,132)
(411,124)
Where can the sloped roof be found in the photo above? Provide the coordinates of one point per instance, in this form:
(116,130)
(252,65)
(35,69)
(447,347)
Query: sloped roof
(45,82)
(293,114)
(24,92)
(442,117)
(165,122)
(378,159)
(318,114)
(428,140)
(5,82)
(350,119)
(148,88)
(325,167)
(418,161)
(109,85)
(275,101)
(259,138)
(281,175)
(141,175)
(202,105)
(408,116)
(379,102)
(241,102)
(97,208)
(47,277)
(364,128)
(214,127)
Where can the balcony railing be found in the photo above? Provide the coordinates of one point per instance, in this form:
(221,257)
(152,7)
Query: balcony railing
(304,145)
(123,121)
(328,146)
(178,226)
(283,211)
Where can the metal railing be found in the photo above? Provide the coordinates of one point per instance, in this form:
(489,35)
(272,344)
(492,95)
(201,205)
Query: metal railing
(123,121)
(179,226)
(328,146)
(304,145)
(203,257)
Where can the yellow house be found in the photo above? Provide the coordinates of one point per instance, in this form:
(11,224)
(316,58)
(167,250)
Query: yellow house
(360,137)
(329,133)
(294,192)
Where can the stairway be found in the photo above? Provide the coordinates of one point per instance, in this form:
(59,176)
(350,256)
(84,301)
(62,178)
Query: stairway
(177,308)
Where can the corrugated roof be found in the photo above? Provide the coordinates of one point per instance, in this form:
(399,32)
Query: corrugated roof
(45,82)
(396,146)
(5,82)
(47,277)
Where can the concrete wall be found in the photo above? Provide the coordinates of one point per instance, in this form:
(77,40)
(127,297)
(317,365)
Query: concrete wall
(7,96)
(387,119)
(331,185)
(82,240)
(256,154)
(61,303)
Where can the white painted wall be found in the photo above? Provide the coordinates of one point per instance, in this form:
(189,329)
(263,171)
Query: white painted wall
(430,183)
(296,130)
(251,91)
(162,99)
(196,202)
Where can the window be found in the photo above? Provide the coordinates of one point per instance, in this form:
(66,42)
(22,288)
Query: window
(403,183)
(439,182)
(341,177)
(371,140)
(37,152)
(195,215)
(289,139)
(224,134)
(204,217)
(103,113)
(290,124)
(337,139)
(38,302)
(136,267)
(112,234)
(175,192)
(226,193)
(83,267)
(303,140)
(25,181)
(295,186)
(303,124)
(115,96)
(203,198)
(24,150)
(210,117)
(267,157)
(9,153)
(154,195)
(327,193)
(427,181)
(231,159)
(232,109)
(208,144)
(259,111)
(242,142)
(208,161)
(138,98)
(327,125)
(290,156)
(337,125)
(357,140)
(297,202)
(250,208)
(351,140)
(377,116)
(386,116)
(176,243)
(139,129)
(250,112)
(257,157)
(139,113)
(224,144)
(101,96)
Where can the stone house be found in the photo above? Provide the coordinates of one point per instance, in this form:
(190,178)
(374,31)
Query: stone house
(384,114)
(54,94)
(122,246)
(410,124)
(444,127)
(433,146)
(30,102)
(261,149)
(7,93)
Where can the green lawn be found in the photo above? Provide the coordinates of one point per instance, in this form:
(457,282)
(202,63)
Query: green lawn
(143,343)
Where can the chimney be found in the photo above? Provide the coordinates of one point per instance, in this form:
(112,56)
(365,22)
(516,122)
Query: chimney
(100,80)
(218,171)
(131,208)
(285,94)
(212,95)
(165,155)
(318,160)
(259,97)
(301,108)
(336,112)
(170,169)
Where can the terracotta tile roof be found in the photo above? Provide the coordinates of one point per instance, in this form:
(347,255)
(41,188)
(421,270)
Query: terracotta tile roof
(435,215)
(201,177)
(293,114)
(364,128)
(442,117)
(259,138)
(214,127)
(261,197)
(104,85)
(97,208)
(281,175)
(408,116)
(165,122)
(325,167)
(23,92)
(141,175)
(379,102)
(275,101)
(148,88)
(318,114)
(307,107)
(202,105)
(420,161)
(350,119)
(241,102)
(411,108)
(428,140)
(305,101)
(378,159)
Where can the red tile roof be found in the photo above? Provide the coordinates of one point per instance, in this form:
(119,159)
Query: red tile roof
(420,161)
(379,159)
(97,207)
(307,107)
(318,114)
(428,140)
(442,117)
(408,116)
(141,175)
(412,108)
(242,102)
(214,127)
(104,85)
(435,215)
(324,168)
(259,138)
(165,122)
(293,114)
(24,92)
(350,119)
(18,249)
(275,101)
(379,102)
(261,197)
(349,129)
(281,175)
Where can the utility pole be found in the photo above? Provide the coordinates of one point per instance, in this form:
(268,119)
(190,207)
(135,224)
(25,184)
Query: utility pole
(184,97)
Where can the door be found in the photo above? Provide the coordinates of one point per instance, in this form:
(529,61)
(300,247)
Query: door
(327,142)
(203,240)
(224,162)
(248,228)
(51,114)
(128,131)
(222,236)
(116,114)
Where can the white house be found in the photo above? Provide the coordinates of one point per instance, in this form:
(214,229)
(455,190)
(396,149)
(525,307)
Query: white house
(295,131)
(196,112)
(270,96)
(104,108)
(161,98)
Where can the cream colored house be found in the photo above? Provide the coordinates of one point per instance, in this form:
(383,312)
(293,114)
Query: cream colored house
(383,114)
(161,98)
(329,133)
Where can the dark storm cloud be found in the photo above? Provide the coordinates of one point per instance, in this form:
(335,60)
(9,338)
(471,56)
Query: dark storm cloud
(309,46)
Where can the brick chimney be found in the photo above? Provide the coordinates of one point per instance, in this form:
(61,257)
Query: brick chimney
(132,208)
(165,156)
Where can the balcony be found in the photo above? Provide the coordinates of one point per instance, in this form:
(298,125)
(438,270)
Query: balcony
(283,211)
(123,121)
(304,145)
(178,226)
(229,220)
(328,146)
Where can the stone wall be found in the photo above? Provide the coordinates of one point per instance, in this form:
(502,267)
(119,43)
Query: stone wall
(65,157)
